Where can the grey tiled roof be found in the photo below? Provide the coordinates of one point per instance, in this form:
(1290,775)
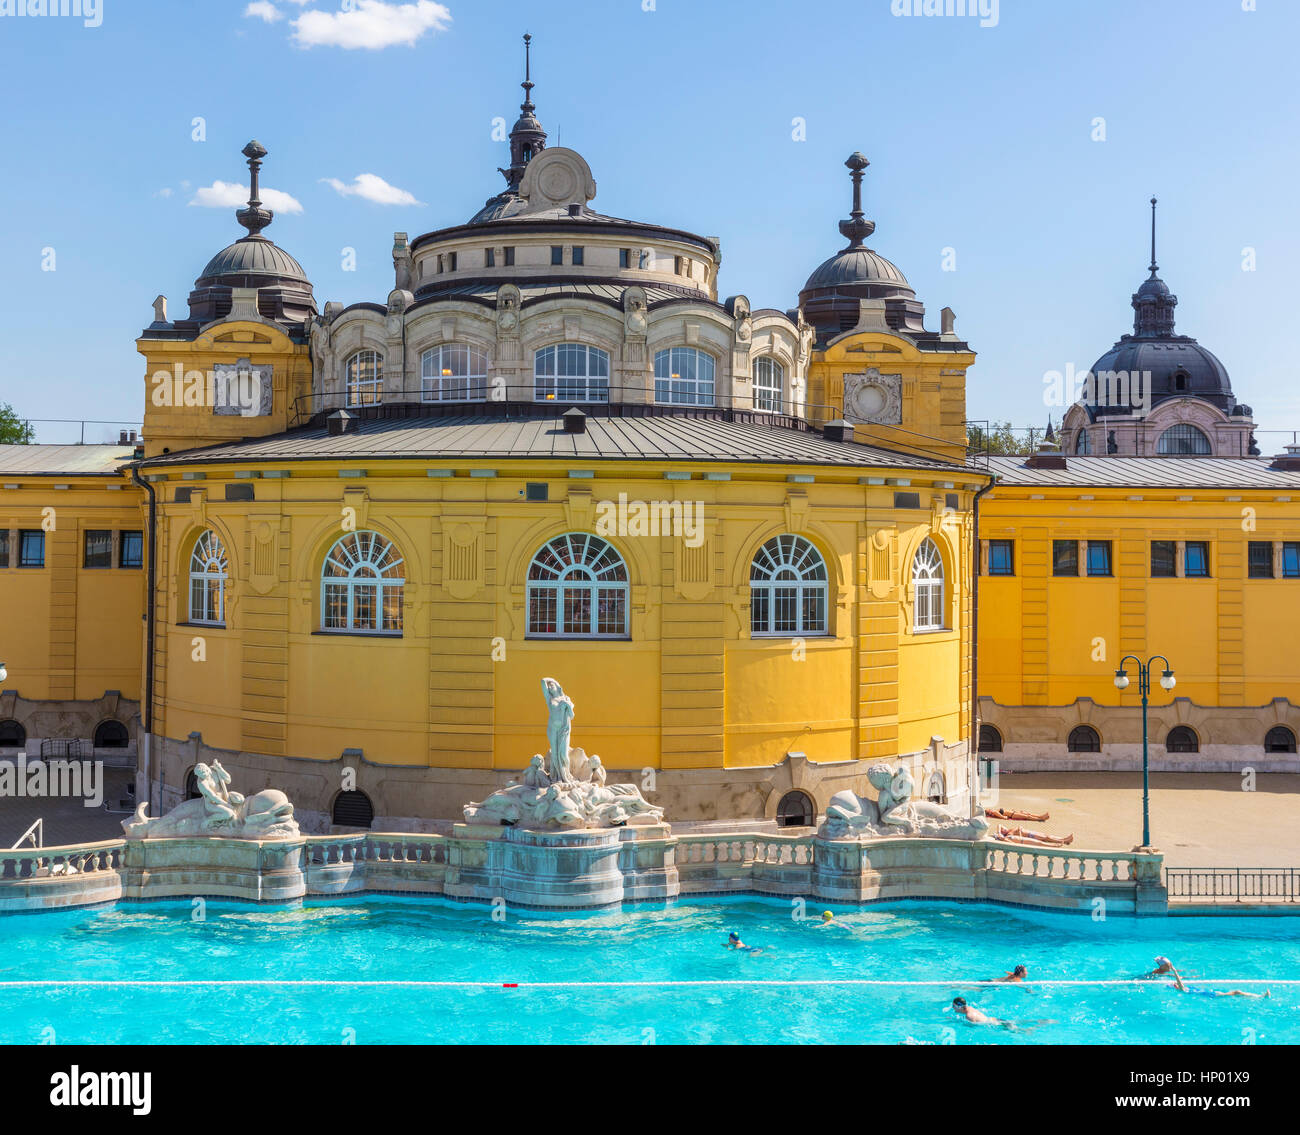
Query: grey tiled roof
(1149,472)
(665,437)
(72,460)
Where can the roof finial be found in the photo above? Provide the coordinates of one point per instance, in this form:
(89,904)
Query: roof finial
(857,228)
(528,83)
(254,218)
(1153,236)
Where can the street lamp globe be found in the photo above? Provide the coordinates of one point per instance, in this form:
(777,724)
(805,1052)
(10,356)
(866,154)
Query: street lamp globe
(3,672)
(1121,680)
(1167,680)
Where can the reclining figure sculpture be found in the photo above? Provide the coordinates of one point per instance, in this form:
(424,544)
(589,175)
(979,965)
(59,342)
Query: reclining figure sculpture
(218,812)
(894,813)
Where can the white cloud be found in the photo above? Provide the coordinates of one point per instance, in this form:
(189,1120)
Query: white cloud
(374,188)
(263,10)
(164,192)
(228,194)
(371,25)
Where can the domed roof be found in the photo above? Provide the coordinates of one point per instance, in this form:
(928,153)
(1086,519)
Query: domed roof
(860,268)
(1178,365)
(253,256)
(496,208)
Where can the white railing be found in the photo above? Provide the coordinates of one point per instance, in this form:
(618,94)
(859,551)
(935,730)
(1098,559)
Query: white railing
(36,833)
(1064,863)
(19,866)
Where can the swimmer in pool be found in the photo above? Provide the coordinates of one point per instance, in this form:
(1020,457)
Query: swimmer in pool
(1017,974)
(733,942)
(828,919)
(975,1017)
(1182,988)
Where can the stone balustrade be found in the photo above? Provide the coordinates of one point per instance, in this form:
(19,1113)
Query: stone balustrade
(653,865)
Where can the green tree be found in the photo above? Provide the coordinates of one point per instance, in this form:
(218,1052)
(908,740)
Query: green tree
(13,430)
(1000,439)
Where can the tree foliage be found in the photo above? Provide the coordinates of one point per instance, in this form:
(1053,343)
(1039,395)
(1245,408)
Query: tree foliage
(13,430)
(1000,439)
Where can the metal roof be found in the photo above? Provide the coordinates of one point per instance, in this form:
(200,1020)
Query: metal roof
(658,437)
(1149,472)
(72,460)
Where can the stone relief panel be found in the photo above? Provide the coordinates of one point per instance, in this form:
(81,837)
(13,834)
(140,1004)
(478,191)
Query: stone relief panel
(873,397)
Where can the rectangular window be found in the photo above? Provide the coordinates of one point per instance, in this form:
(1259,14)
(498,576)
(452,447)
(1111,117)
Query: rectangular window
(1196,558)
(1065,557)
(625,258)
(578,254)
(1260,561)
(1002,557)
(1099,557)
(907,500)
(451,261)
(98,551)
(1163,555)
(643,258)
(1291,560)
(557,254)
(489,258)
(131,550)
(510,256)
(4,547)
(31,548)
(678,261)
(440,264)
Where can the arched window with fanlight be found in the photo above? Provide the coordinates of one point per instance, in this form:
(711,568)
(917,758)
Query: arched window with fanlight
(1279,739)
(684,377)
(577,588)
(571,372)
(363,379)
(453,372)
(788,588)
(1182,739)
(990,739)
(1183,440)
(362,582)
(769,384)
(927,588)
(209,570)
(796,810)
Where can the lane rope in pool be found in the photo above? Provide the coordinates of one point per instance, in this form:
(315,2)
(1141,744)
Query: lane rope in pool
(227,983)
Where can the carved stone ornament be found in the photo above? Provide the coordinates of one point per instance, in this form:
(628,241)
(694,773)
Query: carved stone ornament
(241,389)
(873,397)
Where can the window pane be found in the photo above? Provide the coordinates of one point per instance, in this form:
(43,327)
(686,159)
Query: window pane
(31,548)
(1261,560)
(336,606)
(1197,561)
(98,549)
(1099,557)
(1291,560)
(4,547)
(131,553)
(577,611)
(1162,558)
(1001,560)
(1065,557)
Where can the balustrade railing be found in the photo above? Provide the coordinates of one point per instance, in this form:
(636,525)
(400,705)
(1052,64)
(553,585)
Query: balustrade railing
(1059,863)
(1233,884)
(18,865)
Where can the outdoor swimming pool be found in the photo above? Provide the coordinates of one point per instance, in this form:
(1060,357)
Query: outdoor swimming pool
(148,974)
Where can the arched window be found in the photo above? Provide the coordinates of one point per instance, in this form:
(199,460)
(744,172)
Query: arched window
(192,786)
(364,379)
(769,384)
(209,568)
(571,372)
(788,588)
(796,810)
(1084,739)
(1279,739)
(684,377)
(1183,440)
(577,588)
(1180,380)
(12,735)
(990,739)
(361,585)
(1082,445)
(453,372)
(927,584)
(1181,739)
(111,735)
(353,810)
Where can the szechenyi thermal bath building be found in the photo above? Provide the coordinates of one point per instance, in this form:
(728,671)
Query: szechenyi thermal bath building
(354,540)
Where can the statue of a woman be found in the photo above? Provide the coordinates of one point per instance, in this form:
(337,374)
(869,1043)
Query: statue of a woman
(558,726)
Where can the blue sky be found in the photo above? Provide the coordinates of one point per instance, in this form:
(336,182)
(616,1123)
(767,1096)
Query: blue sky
(981,140)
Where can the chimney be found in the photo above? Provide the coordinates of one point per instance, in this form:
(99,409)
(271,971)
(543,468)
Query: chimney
(575,421)
(1288,462)
(1047,457)
(340,422)
(838,430)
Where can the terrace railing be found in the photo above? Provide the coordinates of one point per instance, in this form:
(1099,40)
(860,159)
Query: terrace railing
(1060,863)
(1233,884)
(25,864)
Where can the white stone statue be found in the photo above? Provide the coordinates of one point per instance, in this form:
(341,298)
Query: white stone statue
(218,812)
(559,725)
(894,813)
(567,789)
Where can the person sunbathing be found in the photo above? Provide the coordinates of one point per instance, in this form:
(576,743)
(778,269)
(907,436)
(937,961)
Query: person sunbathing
(1004,814)
(1025,835)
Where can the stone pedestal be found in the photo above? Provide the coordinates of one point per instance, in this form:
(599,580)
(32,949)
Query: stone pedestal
(576,869)
(254,870)
(862,870)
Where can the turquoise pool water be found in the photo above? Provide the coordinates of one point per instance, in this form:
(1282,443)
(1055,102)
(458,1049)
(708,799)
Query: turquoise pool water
(244,974)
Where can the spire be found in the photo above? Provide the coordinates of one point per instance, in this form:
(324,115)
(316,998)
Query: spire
(1049,436)
(1153,305)
(527,139)
(857,228)
(254,218)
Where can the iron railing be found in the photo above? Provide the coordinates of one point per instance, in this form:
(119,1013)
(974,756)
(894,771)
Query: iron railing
(76,748)
(1233,884)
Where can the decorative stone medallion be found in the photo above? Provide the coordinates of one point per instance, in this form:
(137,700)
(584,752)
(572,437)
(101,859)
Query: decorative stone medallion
(241,389)
(873,397)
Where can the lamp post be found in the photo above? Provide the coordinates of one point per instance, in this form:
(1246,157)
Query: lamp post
(1167,682)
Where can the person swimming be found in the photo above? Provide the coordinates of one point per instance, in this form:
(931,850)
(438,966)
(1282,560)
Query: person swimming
(733,942)
(1184,988)
(976,1016)
(1017,974)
